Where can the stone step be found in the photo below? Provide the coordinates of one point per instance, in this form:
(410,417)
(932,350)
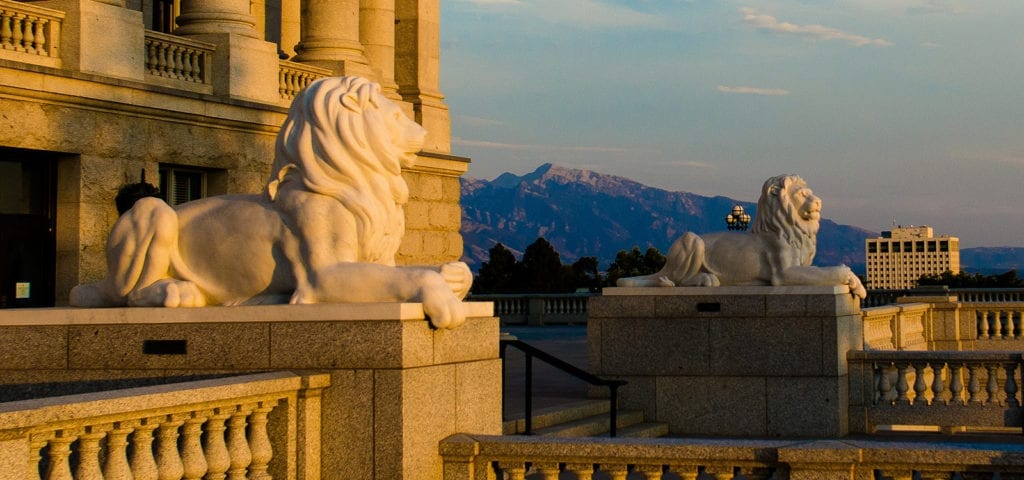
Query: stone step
(559,414)
(643,430)
(592,426)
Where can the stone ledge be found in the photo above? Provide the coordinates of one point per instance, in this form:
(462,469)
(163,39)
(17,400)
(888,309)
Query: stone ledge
(236,314)
(749,290)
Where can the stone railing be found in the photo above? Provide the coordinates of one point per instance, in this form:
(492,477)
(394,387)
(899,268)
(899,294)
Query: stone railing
(539,309)
(486,457)
(293,77)
(252,426)
(995,320)
(942,390)
(178,59)
(896,327)
(30,33)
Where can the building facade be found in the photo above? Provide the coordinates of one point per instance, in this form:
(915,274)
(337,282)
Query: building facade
(898,258)
(192,92)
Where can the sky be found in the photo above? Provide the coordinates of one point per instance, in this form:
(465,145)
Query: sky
(905,111)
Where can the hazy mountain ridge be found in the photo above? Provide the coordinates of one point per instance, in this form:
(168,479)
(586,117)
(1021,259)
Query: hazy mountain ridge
(584,213)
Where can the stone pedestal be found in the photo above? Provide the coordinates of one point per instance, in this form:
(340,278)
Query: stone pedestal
(398,387)
(103,38)
(730,361)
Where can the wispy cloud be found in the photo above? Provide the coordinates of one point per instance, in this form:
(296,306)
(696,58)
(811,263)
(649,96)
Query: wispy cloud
(472,121)
(581,13)
(931,45)
(771,24)
(753,90)
(690,164)
(463,142)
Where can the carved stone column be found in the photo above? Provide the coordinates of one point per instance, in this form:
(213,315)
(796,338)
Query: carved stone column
(418,67)
(216,16)
(377,34)
(330,37)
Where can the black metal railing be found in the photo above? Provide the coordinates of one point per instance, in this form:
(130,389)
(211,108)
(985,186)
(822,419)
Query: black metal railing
(532,352)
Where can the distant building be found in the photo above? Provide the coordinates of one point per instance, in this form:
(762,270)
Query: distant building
(897,259)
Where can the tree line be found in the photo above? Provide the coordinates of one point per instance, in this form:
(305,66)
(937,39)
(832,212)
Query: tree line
(541,270)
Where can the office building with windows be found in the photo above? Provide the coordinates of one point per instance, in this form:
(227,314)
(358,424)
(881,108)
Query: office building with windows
(93,92)
(898,258)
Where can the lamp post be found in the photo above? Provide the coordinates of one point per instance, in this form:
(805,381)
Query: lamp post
(738,219)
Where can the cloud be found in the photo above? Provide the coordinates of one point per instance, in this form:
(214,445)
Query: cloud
(770,24)
(582,13)
(471,121)
(931,45)
(753,90)
(690,164)
(462,142)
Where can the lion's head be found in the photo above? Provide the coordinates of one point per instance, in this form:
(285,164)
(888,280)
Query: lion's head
(344,139)
(789,210)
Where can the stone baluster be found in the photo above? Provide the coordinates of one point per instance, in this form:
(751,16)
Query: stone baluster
(547,470)
(686,472)
(883,385)
(40,35)
(259,441)
(616,471)
(920,386)
(580,470)
(5,29)
(168,459)
(192,458)
(89,454)
(973,387)
(956,383)
(35,448)
(983,325)
(992,385)
(719,472)
(238,445)
(143,463)
(513,471)
(16,28)
(902,387)
(60,451)
(116,467)
(650,472)
(218,459)
(939,393)
(1011,385)
(29,37)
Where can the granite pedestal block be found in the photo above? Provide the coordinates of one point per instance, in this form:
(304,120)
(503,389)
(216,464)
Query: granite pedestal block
(736,361)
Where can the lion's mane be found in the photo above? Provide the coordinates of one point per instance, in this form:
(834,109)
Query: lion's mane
(778,217)
(346,153)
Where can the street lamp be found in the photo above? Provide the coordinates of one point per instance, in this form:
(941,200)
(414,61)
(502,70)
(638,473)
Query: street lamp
(738,219)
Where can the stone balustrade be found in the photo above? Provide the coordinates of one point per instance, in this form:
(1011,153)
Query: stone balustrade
(895,327)
(996,320)
(235,427)
(539,309)
(487,457)
(178,58)
(941,390)
(30,33)
(293,77)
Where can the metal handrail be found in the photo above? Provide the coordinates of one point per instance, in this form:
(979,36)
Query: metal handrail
(530,351)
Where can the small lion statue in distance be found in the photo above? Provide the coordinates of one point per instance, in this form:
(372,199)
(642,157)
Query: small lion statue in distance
(777,251)
(325,229)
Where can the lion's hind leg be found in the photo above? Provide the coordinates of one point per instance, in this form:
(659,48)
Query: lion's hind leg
(682,263)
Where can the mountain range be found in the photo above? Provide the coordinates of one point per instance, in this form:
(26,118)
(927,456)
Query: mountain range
(585,213)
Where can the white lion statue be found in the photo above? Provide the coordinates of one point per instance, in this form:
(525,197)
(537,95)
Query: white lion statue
(326,229)
(778,250)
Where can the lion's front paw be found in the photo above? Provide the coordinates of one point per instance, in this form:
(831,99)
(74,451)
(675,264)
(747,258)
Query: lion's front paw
(856,288)
(444,310)
(168,293)
(459,278)
(664,281)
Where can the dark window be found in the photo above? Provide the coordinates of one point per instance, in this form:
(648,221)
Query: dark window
(944,246)
(180,185)
(872,247)
(931,246)
(885,247)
